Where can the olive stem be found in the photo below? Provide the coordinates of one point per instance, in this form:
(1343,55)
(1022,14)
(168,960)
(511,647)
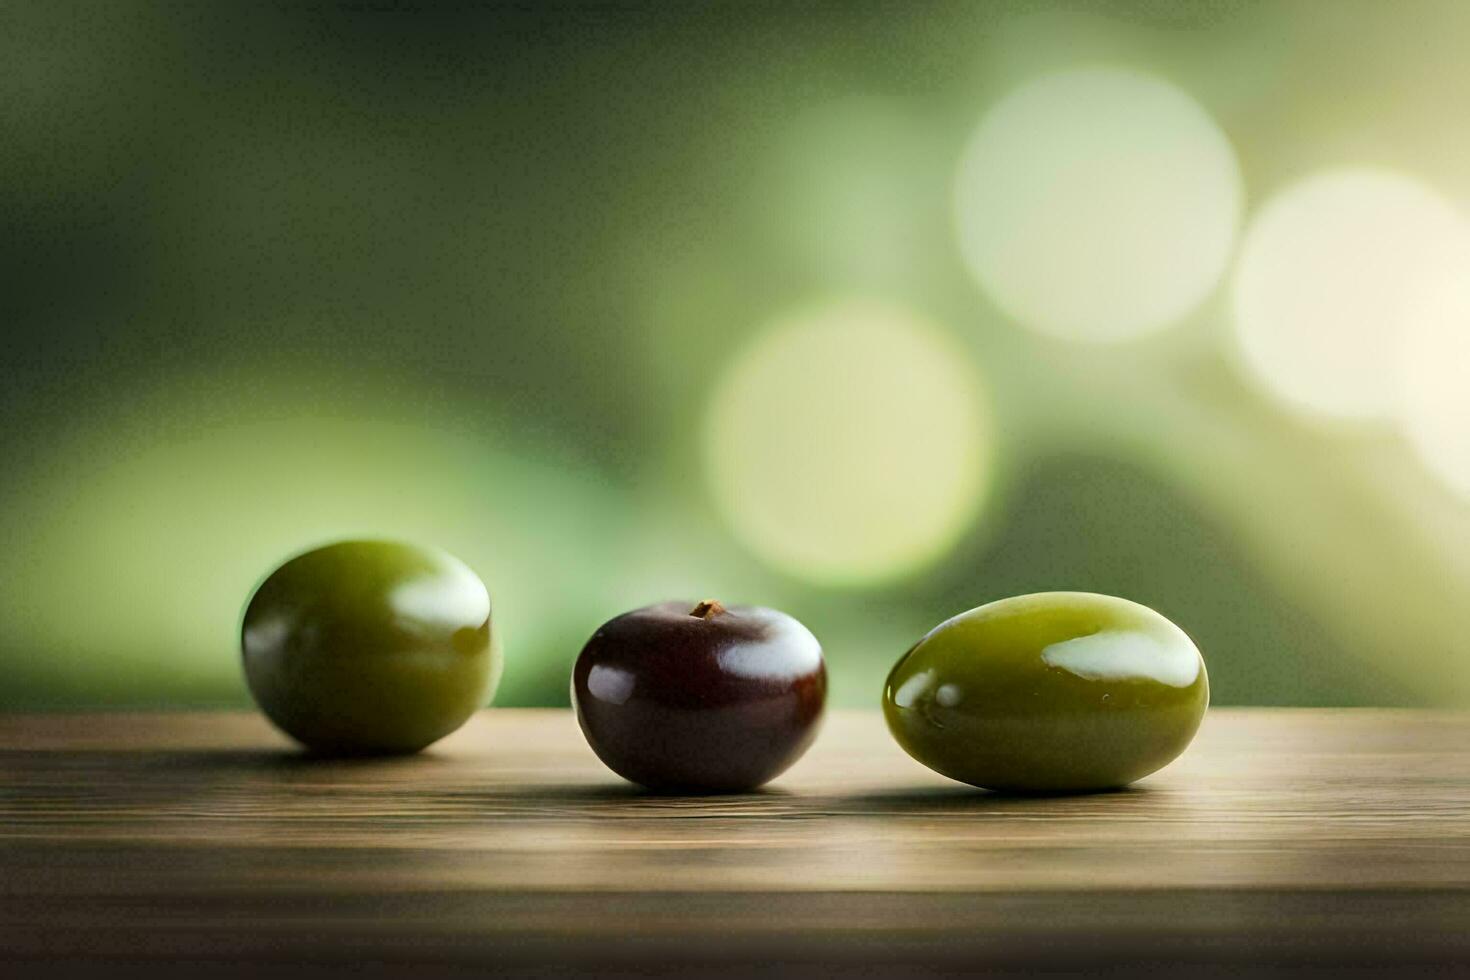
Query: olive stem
(706,609)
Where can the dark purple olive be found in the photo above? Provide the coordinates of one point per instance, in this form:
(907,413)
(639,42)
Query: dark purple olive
(696,697)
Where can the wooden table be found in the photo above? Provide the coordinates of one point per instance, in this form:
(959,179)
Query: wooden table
(1330,843)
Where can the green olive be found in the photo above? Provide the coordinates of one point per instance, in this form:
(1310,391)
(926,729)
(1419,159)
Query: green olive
(1053,692)
(370,646)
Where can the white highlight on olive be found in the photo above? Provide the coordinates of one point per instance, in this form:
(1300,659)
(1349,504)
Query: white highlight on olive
(611,684)
(912,689)
(265,636)
(1098,204)
(1121,655)
(453,597)
(789,649)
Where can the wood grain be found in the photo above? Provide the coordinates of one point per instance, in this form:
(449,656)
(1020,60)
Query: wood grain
(1328,841)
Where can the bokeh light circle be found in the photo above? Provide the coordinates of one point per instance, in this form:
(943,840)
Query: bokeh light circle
(1435,378)
(1329,271)
(1098,204)
(849,444)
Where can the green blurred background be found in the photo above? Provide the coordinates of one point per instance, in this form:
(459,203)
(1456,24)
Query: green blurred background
(623,302)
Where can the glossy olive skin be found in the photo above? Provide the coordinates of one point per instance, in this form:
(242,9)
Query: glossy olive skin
(370,647)
(1053,692)
(694,697)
